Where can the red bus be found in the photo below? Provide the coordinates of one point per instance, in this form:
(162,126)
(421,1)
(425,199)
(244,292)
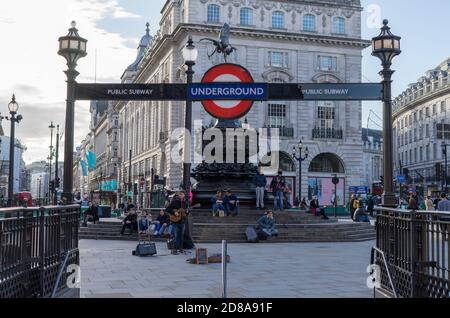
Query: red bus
(377,188)
(23,199)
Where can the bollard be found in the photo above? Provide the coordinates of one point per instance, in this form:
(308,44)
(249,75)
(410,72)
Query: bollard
(224,269)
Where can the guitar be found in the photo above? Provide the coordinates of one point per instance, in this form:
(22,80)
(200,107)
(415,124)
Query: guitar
(181,215)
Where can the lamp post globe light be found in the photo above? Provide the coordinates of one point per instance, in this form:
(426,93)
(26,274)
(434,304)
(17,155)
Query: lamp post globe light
(13,108)
(190,55)
(72,47)
(300,159)
(386,46)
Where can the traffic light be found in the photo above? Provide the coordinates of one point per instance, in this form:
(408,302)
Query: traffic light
(406,173)
(52,186)
(58,183)
(135,189)
(382,179)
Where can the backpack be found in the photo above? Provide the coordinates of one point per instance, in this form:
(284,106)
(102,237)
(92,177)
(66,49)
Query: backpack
(252,236)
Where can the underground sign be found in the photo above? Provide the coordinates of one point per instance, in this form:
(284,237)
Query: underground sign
(228,81)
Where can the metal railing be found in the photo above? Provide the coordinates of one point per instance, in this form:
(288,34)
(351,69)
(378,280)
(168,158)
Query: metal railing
(327,133)
(33,246)
(417,252)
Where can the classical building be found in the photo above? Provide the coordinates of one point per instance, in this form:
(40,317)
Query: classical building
(19,166)
(372,156)
(103,140)
(277,41)
(422,129)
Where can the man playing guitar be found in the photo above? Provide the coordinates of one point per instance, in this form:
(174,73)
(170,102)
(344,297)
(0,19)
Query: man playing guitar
(177,210)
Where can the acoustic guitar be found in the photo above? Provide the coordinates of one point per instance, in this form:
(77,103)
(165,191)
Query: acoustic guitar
(181,215)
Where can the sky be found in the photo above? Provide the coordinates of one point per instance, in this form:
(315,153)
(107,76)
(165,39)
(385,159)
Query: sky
(31,68)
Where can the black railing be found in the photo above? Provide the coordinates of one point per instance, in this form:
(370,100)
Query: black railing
(34,244)
(417,253)
(282,131)
(327,133)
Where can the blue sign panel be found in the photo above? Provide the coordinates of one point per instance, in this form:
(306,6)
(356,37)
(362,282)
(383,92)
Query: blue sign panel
(228,91)
(352,189)
(401,179)
(109,185)
(362,190)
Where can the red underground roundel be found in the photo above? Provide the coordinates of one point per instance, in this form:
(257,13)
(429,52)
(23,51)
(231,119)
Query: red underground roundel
(227,109)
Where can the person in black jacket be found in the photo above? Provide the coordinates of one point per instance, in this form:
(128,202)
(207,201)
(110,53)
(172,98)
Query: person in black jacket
(162,222)
(178,202)
(129,222)
(91,214)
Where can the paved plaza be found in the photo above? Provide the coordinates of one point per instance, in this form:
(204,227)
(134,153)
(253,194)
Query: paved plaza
(292,270)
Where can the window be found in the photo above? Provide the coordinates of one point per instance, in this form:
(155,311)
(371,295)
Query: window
(339,25)
(427,152)
(406,157)
(410,120)
(415,155)
(420,132)
(421,154)
(434,109)
(443,107)
(213,13)
(434,152)
(427,131)
(415,134)
(327,63)
(246,16)
(326,115)
(411,156)
(278,59)
(277,115)
(278,20)
(427,112)
(309,22)
(415,117)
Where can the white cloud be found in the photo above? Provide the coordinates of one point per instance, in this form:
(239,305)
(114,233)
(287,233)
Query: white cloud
(30,65)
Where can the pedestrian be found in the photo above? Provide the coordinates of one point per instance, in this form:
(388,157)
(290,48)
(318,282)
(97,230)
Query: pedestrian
(444,205)
(260,182)
(91,214)
(277,185)
(370,206)
(303,204)
(429,204)
(412,203)
(351,206)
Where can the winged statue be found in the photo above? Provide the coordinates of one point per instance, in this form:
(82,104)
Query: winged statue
(222,45)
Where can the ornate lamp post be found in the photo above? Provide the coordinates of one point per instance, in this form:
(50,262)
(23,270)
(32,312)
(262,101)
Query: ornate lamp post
(72,47)
(13,107)
(50,191)
(386,46)
(190,55)
(300,159)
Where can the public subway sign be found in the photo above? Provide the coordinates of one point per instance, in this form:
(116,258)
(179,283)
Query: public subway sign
(130,92)
(229,91)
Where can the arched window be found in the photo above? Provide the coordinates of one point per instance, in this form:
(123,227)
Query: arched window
(339,25)
(285,162)
(246,16)
(327,163)
(213,15)
(278,20)
(309,22)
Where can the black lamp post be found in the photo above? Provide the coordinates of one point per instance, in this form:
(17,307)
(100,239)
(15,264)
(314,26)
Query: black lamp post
(13,107)
(50,160)
(57,180)
(444,152)
(386,46)
(300,159)
(190,54)
(72,47)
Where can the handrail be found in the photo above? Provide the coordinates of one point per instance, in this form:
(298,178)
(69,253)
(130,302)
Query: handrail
(372,260)
(61,269)
(379,208)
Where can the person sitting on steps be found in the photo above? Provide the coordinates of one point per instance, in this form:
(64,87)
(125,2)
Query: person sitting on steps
(266,223)
(217,204)
(130,222)
(161,223)
(91,214)
(231,203)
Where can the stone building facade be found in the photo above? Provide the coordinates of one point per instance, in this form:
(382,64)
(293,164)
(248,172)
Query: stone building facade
(277,41)
(421,127)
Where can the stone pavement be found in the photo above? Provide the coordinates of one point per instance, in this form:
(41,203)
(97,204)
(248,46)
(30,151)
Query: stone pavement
(292,270)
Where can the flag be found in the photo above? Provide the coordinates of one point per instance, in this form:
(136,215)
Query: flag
(84,168)
(91,160)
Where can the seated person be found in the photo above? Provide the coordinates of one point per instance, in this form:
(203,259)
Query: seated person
(91,214)
(161,223)
(130,221)
(321,212)
(217,203)
(231,203)
(144,222)
(267,224)
(360,215)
